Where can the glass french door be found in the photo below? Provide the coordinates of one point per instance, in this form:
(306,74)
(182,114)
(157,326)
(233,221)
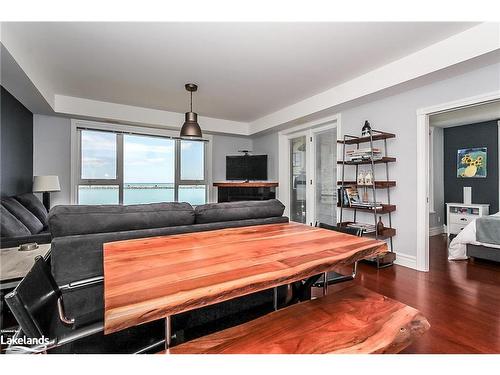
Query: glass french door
(298,179)
(313,176)
(325,176)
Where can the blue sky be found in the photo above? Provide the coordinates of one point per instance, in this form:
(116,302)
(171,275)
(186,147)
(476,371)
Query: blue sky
(146,159)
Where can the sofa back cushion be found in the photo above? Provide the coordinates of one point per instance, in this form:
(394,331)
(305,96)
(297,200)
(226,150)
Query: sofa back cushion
(34,205)
(22,214)
(74,220)
(10,226)
(231,211)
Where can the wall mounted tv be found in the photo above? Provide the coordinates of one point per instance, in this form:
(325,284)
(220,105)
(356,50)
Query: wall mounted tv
(246,167)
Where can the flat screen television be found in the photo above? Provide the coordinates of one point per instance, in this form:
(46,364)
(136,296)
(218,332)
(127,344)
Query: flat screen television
(246,167)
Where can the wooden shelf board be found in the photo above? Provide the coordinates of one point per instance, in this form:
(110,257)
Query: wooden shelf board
(386,233)
(386,208)
(375,137)
(378,184)
(385,159)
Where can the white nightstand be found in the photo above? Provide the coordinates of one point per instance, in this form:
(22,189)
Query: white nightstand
(460,214)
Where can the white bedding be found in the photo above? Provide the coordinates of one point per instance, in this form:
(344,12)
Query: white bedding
(458,249)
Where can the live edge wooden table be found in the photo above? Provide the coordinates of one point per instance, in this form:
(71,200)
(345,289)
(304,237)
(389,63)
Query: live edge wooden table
(153,278)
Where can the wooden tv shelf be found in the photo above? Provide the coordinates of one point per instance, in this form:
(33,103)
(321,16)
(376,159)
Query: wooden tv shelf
(232,191)
(244,184)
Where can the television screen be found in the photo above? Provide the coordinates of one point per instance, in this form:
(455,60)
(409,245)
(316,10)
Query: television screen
(246,167)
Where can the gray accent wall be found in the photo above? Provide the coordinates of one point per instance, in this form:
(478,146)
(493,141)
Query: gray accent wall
(484,190)
(16,133)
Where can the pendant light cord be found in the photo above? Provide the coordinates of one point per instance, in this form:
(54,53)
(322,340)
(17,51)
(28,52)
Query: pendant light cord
(191,105)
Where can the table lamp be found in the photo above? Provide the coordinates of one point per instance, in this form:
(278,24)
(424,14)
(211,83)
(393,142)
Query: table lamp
(45,185)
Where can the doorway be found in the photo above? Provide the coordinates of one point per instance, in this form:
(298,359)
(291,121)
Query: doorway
(423,168)
(308,173)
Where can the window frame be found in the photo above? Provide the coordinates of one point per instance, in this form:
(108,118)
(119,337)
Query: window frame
(120,130)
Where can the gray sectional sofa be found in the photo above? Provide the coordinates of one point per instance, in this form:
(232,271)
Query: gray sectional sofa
(79,233)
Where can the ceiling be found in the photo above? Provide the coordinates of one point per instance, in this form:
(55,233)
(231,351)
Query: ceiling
(244,70)
(466,116)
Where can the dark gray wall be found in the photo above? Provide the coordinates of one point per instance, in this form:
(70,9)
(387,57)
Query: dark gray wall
(16,133)
(484,190)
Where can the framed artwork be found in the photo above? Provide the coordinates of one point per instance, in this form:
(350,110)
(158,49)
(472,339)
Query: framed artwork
(471,162)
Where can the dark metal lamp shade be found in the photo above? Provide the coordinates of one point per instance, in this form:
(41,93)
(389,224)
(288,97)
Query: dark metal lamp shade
(191,128)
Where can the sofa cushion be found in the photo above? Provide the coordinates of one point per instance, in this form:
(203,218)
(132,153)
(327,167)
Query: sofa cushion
(23,215)
(34,205)
(231,211)
(75,220)
(10,226)
(80,257)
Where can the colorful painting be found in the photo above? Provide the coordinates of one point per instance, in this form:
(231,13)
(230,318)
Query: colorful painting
(471,162)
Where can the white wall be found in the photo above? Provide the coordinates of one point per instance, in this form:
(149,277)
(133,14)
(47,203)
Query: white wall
(397,114)
(52,152)
(226,145)
(436,218)
(268,144)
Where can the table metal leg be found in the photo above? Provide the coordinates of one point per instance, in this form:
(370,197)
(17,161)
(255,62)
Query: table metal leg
(325,284)
(168,334)
(275,298)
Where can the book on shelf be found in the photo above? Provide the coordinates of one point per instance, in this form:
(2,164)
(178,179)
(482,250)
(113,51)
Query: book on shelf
(364,154)
(367,228)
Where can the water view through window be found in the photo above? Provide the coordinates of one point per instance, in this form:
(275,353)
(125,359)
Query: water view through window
(148,168)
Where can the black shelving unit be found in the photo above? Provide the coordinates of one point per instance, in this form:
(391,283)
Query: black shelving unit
(382,184)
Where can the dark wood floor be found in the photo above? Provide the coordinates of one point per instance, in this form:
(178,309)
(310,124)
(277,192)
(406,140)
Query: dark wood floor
(461,300)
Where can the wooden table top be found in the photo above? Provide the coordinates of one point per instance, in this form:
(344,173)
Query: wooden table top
(151,278)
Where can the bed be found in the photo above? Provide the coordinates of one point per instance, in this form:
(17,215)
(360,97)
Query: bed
(479,239)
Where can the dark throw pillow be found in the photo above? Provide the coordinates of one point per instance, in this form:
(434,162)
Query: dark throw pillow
(22,214)
(10,226)
(34,205)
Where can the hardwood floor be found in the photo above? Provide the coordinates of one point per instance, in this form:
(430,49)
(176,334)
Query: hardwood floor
(460,299)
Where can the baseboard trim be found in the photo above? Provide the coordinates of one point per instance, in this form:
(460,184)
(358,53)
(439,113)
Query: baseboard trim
(434,231)
(405,260)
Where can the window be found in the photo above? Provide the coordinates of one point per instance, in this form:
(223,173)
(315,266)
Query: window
(117,168)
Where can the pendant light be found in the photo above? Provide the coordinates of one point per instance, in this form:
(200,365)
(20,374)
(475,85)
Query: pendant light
(191,128)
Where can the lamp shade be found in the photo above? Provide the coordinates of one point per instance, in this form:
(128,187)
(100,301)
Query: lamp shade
(46,183)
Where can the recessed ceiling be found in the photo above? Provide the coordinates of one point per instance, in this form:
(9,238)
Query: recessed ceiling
(244,70)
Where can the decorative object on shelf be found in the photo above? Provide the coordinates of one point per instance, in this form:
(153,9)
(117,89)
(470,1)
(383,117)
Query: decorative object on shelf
(361,178)
(46,185)
(365,194)
(366,130)
(368,178)
(471,162)
(467,195)
(191,128)
(380,225)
